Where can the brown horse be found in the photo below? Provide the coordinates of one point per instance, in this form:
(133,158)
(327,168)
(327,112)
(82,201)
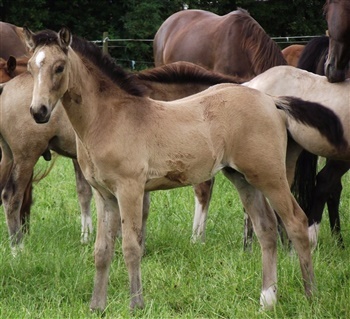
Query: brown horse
(127,141)
(12,67)
(292,53)
(338,20)
(12,41)
(233,44)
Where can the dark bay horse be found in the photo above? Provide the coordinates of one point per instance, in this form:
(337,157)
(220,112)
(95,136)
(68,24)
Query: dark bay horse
(338,21)
(12,41)
(233,44)
(317,190)
(174,144)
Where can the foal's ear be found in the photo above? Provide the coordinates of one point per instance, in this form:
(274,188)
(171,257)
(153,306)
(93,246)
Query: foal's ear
(28,36)
(65,38)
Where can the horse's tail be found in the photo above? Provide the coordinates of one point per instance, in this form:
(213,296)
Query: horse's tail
(304,183)
(314,115)
(41,174)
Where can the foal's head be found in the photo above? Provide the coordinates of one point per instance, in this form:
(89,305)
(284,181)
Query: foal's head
(49,67)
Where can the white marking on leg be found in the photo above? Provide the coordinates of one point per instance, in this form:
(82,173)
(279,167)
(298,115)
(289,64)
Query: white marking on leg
(268,297)
(314,230)
(198,222)
(16,250)
(86,228)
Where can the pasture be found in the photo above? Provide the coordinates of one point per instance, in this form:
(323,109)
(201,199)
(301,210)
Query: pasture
(53,276)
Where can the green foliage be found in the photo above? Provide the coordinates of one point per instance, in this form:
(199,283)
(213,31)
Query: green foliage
(140,19)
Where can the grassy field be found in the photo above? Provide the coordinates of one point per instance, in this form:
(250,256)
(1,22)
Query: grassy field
(53,276)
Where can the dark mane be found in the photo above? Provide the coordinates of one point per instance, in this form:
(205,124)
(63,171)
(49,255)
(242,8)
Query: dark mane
(185,72)
(263,52)
(94,54)
(314,55)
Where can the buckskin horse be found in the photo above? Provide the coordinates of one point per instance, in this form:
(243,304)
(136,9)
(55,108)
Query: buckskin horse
(174,144)
(233,44)
(324,187)
(335,96)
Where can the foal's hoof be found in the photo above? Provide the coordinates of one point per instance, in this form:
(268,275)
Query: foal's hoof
(136,303)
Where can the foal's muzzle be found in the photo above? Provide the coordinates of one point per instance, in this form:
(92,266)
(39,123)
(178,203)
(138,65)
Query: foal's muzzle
(41,115)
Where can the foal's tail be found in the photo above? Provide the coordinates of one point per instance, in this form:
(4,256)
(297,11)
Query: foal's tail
(314,115)
(328,124)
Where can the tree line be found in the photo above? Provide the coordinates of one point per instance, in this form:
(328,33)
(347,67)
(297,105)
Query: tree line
(140,19)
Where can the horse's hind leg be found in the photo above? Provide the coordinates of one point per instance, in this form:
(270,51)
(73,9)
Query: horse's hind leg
(328,189)
(84,196)
(265,226)
(26,205)
(12,197)
(203,193)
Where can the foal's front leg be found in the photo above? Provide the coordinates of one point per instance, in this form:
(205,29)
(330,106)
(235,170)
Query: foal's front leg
(202,193)
(131,207)
(107,226)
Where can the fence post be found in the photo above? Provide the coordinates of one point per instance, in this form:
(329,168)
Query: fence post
(105,42)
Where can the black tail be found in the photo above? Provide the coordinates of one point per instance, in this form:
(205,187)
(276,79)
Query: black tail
(314,115)
(305,180)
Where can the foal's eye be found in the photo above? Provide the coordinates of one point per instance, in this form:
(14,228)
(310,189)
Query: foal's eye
(59,69)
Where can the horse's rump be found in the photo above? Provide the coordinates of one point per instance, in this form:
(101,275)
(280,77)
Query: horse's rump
(232,44)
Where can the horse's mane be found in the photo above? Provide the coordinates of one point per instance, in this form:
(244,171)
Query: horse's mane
(185,72)
(264,53)
(95,55)
(315,51)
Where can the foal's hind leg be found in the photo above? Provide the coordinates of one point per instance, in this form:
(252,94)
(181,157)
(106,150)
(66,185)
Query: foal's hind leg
(265,227)
(203,193)
(84,196)
(277,191)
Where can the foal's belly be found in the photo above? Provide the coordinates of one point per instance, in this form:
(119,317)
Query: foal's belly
(178,177)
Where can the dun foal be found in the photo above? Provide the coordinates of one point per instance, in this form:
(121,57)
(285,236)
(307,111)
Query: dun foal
(128,143)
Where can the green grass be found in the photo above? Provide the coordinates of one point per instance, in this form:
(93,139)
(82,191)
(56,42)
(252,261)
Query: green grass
(53,276)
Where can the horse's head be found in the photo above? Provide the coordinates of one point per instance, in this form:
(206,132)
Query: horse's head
(338,19)
(49,67)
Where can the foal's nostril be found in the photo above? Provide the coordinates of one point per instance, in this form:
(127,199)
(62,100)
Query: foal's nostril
(40,115)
